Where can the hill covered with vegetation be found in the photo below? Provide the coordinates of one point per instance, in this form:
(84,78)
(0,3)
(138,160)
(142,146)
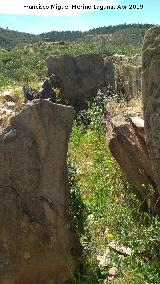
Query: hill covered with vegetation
(10,39)
(128,34)
(129,30)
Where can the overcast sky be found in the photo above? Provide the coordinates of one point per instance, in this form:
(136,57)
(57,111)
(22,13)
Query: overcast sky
(15,16)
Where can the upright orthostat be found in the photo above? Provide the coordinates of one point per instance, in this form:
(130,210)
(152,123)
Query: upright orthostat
(37,245)
(151,96)
(78,77)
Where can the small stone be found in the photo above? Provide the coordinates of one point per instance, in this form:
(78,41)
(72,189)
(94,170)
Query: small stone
(7,112)
(104,260)
(7,96)
(112,271)
(27,255)
(119,248)
(106,231)
(137,121)
(10,105)
(110,278)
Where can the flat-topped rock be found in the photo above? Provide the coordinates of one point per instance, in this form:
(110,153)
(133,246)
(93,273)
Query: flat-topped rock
(78,77)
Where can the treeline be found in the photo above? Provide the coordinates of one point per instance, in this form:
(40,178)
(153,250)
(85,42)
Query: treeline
(120,33)
(118,28)
(10,39)
(74,35)
(63,36)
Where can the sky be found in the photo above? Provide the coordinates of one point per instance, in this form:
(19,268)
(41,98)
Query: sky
(61,15)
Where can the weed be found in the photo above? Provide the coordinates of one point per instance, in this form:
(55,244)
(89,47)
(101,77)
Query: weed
(112,210)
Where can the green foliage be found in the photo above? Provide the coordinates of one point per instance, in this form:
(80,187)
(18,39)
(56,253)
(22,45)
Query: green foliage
(28,64)
(63,35)
(114,212)
(132,31)
(122,35)
(119,28)
(9,39)
(24,63)
(78,210)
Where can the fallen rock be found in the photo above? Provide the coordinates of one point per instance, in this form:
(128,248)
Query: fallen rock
(126,141)
(37,243)
(79,78)
(151,97)
(10,105)
(112,271)
(105,259)
(126,251)
(7,96)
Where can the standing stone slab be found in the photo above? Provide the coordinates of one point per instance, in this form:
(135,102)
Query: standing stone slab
(36,240)
(151,96)
(79,77)
(127,144)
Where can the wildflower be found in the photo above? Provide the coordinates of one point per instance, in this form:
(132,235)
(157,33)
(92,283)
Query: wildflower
(109,236)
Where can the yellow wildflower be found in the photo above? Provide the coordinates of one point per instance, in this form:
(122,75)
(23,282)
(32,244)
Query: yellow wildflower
(109,236)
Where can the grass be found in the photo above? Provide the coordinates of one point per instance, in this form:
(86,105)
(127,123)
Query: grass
(27,64)
(109,211)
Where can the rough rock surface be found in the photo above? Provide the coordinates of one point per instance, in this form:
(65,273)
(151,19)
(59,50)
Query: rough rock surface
(80,77)
(127,144)
(151,96)
(37,244)
(8,108)
(45,93)
(123,74)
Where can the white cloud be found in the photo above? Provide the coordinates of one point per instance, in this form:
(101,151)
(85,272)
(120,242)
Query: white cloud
(53,7)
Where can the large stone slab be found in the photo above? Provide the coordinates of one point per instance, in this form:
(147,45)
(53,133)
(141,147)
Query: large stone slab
(36,239)
(151,96)
(126,141)
(79,77)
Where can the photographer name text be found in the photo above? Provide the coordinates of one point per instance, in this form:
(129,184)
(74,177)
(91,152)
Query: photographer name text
(83,7)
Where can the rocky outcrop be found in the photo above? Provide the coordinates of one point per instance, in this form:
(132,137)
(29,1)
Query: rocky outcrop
(79,77)
(127,144)
(123,75)
(151,96)
(37,244)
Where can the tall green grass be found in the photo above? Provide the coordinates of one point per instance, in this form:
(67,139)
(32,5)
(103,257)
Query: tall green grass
(106,209)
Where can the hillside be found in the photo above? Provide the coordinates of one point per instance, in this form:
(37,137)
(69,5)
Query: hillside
(128,34)
(10,38)
(115,35)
